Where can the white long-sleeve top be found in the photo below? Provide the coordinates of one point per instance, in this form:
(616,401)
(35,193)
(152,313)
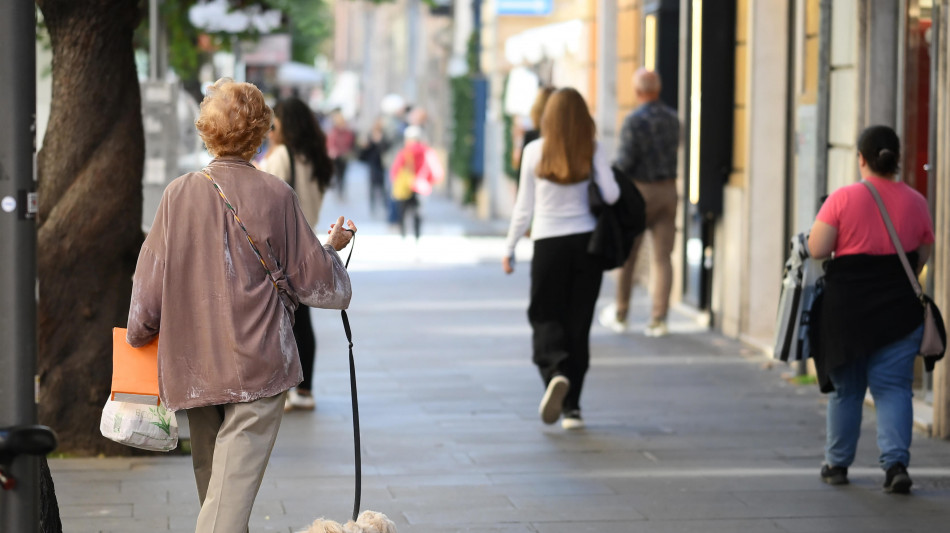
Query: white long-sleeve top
(557,209)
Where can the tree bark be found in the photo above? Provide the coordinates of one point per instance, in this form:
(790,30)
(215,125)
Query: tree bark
(90,211)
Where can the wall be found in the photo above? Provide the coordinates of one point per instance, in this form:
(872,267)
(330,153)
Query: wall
(844,95)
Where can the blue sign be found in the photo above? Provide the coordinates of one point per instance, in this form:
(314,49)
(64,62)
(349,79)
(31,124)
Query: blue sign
(524,7)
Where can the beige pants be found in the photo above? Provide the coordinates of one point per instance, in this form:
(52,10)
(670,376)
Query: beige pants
(661,201)
(230,448)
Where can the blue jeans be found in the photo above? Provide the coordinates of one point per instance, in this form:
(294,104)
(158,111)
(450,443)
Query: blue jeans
(889,372)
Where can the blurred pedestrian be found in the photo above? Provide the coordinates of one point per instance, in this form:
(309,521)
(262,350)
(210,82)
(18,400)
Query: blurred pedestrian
(647,154)
(221,290)
(340,141)
(870,322)
(371,150)
(537,109)
(565,279)
(394,124)
(298,155)
(413,173)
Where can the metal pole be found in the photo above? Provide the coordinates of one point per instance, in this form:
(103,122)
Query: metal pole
(153,40)
(19,508)
(607,74)
(413,29)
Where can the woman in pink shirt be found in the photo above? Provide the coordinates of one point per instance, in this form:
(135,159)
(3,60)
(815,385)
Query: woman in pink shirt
(869,319)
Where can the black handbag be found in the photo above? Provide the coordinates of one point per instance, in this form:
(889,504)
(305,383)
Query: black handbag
(619,224)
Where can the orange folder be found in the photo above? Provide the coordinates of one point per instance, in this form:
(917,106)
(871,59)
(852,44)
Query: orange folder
(134,370)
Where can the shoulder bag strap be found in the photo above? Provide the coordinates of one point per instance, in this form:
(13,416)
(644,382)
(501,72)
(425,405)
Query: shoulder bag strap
(895,239)
(241,224)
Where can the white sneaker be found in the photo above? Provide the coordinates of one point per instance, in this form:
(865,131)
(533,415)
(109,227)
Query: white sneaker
(656,328)
(553,400)
(608,319)
(572,420)
(295,400)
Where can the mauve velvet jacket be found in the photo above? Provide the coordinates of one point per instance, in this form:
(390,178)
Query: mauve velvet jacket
(226,333)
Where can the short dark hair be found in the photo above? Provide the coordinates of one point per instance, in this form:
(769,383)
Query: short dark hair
(881,148)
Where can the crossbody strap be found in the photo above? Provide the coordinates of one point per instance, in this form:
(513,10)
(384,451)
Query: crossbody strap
(895,240)
(241,224)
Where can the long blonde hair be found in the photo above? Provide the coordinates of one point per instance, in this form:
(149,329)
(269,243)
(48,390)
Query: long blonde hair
(568,132)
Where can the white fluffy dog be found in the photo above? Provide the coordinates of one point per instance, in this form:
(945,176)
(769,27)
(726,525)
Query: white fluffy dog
(366,522)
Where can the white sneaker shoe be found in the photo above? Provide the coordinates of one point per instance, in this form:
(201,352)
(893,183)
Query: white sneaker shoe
(608,319)
(553,400)
(656,328)
(572,420)
(295,400)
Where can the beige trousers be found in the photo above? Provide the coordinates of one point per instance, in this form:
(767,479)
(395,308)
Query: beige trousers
(230,448)
(661,201)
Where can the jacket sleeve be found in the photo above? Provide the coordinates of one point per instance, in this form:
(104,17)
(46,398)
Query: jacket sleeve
(605,176)
(627,147)
(145,309)
(398,162)
(315,270)
(524,201)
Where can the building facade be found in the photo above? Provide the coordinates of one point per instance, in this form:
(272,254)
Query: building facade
(772,95)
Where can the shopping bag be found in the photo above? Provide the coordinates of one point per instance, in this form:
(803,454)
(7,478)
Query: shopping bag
(139,426)
(134,370)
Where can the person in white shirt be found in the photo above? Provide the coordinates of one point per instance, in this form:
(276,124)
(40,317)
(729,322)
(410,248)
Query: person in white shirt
(565,279)
(298,155)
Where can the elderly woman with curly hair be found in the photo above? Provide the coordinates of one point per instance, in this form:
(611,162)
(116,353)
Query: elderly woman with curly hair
(229,258)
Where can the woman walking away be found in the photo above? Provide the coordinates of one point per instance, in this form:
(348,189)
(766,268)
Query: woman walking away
(298,155)
(565,279)
(414,170)
(371,151)
(229,257)
(870,320)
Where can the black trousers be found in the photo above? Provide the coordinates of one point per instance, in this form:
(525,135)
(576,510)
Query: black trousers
(377,188)
(306,345)
(565,282)
(404,207)
(339,173)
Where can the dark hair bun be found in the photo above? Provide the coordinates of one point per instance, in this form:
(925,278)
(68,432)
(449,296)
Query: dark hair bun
(881,148)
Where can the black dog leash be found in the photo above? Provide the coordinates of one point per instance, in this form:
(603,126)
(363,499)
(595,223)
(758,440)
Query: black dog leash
(353,396)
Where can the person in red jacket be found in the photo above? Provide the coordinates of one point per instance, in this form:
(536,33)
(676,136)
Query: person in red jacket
(414,170)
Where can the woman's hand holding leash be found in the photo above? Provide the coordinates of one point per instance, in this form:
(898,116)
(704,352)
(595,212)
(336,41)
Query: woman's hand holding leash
(340,236)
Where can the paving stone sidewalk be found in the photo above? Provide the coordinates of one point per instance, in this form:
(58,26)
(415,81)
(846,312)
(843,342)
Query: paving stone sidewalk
(688,433)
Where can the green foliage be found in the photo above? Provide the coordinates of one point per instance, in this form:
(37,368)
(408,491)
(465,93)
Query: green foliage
(463,121)
(463,125)
(309,22)
(508,121)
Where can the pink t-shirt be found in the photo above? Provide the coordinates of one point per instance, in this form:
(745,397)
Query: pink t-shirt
(861,230)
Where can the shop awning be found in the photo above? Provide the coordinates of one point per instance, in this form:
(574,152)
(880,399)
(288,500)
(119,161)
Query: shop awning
(552,41)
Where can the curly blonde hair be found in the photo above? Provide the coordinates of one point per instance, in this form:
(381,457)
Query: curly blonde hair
(234,119)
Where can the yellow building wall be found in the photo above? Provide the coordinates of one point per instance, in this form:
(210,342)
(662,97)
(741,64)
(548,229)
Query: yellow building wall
(629,54)
(740,144)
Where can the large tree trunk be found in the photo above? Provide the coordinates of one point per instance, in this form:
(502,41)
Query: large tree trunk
(90,211)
